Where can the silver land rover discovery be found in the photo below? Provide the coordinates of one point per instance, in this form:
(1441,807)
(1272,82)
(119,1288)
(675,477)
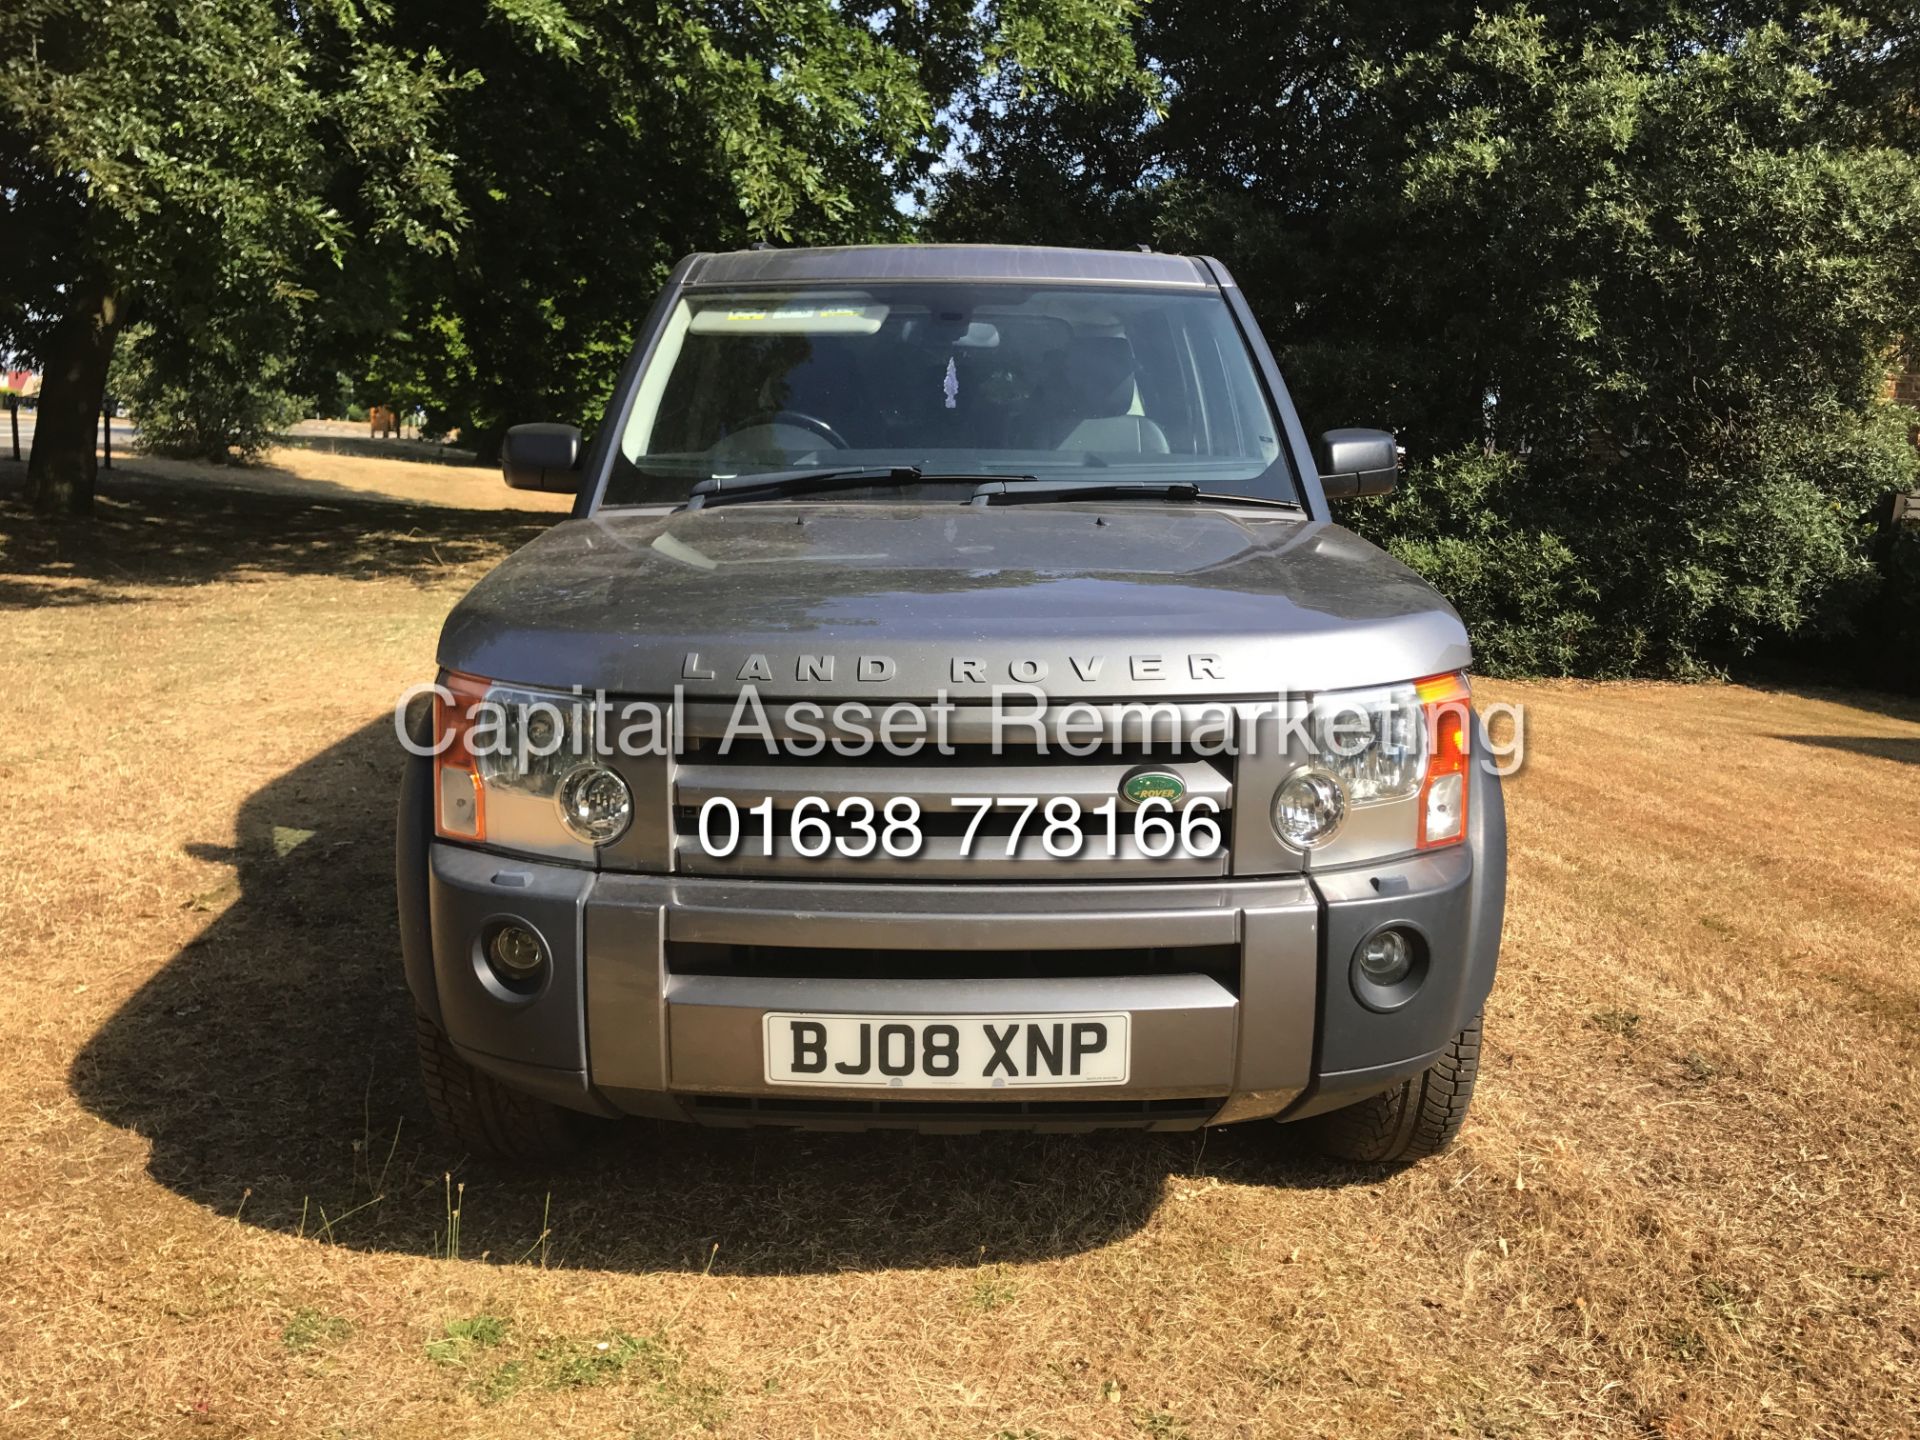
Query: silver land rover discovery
(951,705)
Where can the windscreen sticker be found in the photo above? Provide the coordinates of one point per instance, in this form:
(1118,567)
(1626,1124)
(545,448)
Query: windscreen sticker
(789,319)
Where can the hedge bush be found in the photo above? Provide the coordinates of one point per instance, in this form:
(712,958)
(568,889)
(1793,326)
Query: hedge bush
(1606,571)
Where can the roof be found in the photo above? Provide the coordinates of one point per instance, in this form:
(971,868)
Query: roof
(1018,263)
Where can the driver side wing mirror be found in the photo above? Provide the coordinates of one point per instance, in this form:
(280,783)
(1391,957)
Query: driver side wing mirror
(1357,462)
(542,457)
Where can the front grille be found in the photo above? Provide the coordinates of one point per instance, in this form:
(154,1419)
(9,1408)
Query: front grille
(751,773)
(977,1114)
(1220,963)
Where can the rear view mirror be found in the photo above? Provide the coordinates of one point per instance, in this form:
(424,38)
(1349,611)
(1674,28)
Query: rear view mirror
(1357,462)
(541,457)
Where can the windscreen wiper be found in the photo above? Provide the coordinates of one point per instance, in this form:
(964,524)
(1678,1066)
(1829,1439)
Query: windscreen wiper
(1001,492)
(769,484)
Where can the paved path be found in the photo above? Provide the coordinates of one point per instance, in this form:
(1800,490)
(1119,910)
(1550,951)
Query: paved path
(124,431)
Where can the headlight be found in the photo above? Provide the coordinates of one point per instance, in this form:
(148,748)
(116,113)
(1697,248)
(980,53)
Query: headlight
(595,804)
(1384,773)
(1374,740)
(1308,808)
(517,768)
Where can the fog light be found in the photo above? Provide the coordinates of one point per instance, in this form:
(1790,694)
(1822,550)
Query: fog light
(595,804)
(516,954)
(1308,808)
(1386,958)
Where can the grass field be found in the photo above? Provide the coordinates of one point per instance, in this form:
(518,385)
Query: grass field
(1685,1203)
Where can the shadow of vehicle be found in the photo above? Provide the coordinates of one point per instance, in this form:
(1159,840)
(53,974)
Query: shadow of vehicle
(270,1064)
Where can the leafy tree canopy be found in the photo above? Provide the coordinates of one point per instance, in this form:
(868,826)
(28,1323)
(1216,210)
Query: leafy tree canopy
(188,164)
(1627,282)
(608,140)
(469,205)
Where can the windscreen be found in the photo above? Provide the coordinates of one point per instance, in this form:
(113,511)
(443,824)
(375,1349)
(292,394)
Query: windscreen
(1069,382)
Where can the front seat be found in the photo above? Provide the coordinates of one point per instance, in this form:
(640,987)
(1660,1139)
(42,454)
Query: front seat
(1087,403)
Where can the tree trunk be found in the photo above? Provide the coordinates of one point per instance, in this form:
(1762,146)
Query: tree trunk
(60,472)
(485,440)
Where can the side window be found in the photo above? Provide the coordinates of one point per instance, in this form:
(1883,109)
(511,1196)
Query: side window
(1166,383)
(1235,422)
(1256,429)
(721,382)
(1219,432)
(675,421)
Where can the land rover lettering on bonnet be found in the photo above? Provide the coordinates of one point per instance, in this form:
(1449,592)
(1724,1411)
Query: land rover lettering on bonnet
(962,669)
(951,704)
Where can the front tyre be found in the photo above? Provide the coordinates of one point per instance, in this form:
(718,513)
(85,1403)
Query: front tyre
(1417,1118)
(483,1115)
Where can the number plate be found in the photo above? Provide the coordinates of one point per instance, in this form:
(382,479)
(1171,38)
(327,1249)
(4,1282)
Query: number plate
(947,1052)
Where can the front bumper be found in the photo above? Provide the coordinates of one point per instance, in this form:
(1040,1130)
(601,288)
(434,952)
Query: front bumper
(1238,989)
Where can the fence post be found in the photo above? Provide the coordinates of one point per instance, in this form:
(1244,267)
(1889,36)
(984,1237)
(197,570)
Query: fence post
(13,413)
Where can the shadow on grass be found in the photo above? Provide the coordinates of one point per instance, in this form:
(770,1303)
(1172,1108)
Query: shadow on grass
(1832,684)
(270,1065)
(1904,749)
(160,532)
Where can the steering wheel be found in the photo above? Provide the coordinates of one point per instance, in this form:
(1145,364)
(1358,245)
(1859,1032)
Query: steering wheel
(805,422)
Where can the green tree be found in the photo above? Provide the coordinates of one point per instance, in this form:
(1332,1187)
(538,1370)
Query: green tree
(219,393)
(1692,268)
(608,140)
(1625,281)
(199,168)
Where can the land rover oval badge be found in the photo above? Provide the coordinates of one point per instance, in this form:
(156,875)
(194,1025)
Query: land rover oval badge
(1153,785)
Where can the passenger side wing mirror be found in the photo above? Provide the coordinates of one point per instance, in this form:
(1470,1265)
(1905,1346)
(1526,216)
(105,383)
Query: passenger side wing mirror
(542,457)
(1357,462)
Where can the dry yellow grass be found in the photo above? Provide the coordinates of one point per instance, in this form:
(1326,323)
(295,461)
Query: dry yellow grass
(306,470)
(1684,1203)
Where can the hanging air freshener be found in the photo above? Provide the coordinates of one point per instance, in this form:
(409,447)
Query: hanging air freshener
(950,387)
